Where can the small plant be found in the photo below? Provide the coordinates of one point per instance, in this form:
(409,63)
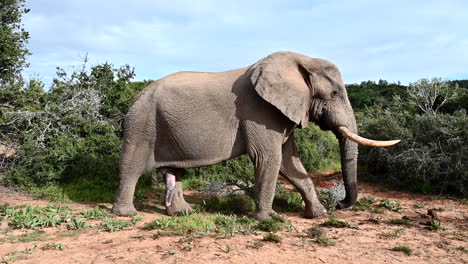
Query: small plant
(199,224)
(335,222)
(231,204)
(77,223)
(405,249)
(402,221)
(326,198)
(391,205)
(15,255)
(435,224)
(394,234)
(113,225)
(288,201)
(96,213)
(325,241)
(419,205)
(227,248)
(364,204)
(314,232)
(272,237)
(256,244)
(269,225)
(373,220)
(53,246)
(172,250)
(187,247)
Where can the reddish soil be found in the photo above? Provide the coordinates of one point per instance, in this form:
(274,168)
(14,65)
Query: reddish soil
(371,243)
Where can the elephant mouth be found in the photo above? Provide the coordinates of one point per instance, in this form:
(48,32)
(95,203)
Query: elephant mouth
(344,131)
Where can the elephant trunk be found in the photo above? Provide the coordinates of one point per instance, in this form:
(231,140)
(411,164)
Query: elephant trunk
(349,141)
(349,153)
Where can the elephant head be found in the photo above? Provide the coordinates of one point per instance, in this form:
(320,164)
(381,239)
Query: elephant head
(309,89)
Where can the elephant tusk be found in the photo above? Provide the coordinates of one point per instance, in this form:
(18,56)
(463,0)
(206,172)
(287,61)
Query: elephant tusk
(364,141)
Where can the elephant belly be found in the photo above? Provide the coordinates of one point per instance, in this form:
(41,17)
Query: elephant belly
(196,136)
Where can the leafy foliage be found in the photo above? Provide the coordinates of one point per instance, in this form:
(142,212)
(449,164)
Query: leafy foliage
(231,204)
(433,154)
(71,135)
(200,224)
(35,217)
(113,225)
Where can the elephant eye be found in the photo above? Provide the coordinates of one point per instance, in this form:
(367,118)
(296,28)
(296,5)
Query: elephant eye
(334,93)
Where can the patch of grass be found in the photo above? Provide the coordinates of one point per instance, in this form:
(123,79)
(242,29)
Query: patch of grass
(405,249)
(394,234)
(53,246)
(335,222)
(288,201)
(326,198)
(77,223)
(314,232)
(256,244)
(373,220)
(402,221)
(364,204)
(391,205)
(37,235)
(269,225)
(325,241)
(79,190)
(16,255)
(276,223)
(272,237)
(231,204)
(36,217)
(419,205)
(202,224)
(96,213)
(70,233)
(319,235)
(113,225)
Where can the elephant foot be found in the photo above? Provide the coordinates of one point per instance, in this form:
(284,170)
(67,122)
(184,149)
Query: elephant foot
(178,207)
(314,211)
(127,210)
(264,215)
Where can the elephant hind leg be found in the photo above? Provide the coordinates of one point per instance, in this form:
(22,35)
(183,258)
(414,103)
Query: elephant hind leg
(174,198)
(135,160)
(293,170)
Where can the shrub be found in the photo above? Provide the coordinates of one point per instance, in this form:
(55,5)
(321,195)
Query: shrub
(71,135)
(433,154)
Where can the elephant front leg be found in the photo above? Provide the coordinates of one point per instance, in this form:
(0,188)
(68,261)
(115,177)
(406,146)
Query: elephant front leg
(293,170)
(174,197)
(266,175)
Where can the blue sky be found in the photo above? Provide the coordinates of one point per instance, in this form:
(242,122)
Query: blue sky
(368,40)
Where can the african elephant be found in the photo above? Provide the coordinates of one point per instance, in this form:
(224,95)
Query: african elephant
(194,119)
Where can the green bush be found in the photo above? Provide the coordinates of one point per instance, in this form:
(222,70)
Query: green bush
(69,136)
(432,156)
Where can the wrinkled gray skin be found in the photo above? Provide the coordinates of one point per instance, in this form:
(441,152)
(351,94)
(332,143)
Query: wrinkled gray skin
(193,119)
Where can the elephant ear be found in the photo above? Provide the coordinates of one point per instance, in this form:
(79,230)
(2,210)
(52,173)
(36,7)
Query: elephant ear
(282,81)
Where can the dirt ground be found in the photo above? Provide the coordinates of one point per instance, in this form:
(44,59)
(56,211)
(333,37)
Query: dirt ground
(371,243)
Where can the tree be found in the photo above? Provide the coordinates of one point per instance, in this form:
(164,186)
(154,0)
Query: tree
(13,40)
(431,95)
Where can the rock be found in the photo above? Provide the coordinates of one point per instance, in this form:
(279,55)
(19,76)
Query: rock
(220,188)
(4,224)
(332,194)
